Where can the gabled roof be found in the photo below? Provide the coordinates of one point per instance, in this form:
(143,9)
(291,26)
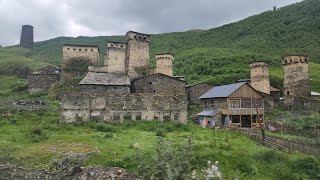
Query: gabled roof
(222,91)
(107,79)
(208,113)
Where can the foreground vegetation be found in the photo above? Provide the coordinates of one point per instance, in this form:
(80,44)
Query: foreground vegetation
(36,139)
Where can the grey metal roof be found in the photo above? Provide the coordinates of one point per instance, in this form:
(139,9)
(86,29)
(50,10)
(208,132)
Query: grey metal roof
(315,93)
(222,91)
(208,113)
(107,79)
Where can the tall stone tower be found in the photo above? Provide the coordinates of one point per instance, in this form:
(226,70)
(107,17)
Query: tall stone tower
(116,55)
(260,77)
(137,53)
(26,39)
(164,64)
(295,76)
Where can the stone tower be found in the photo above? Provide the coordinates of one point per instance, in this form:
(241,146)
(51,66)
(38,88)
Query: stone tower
(116,55)
(137,53)
(260,77)
(26,39)
(295,76)
(164,64)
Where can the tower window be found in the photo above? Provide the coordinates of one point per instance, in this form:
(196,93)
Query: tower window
(150,82)
(288,92)
(85,49)
(68,49)
(91,50)
(154,90)
(74,49)
(94,87)
(80,50)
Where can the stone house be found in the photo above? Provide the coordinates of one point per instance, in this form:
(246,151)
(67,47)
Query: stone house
(100,83)
(194,91)
(158,83)
(43,79)
(239,103)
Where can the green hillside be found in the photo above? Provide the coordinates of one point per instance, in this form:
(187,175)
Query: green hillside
(221,55)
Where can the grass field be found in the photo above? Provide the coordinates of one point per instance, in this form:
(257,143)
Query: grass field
(35,138)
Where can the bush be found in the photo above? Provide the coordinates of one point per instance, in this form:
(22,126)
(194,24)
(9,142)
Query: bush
(36,135)
(270,156)
(109,135)
(160,132)
(308,166)
(103,127)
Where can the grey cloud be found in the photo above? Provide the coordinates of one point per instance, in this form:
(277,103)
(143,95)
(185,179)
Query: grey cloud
(53,18)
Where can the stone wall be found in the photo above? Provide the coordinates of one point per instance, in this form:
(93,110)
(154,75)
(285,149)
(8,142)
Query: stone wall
(89,53)
(158,83)
(41,82)
(115,59)
(260,76)
(195,91)
(102,89)
(164,64)
(118,108)
(137,53)
(295,77)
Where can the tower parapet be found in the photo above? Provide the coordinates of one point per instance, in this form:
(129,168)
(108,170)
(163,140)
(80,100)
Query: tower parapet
(296,76)
(137,53)
(73,52)
(26,39)
(260,76)
(164,64)
(116,55)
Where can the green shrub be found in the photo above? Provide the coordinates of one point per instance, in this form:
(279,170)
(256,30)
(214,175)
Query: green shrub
(108,135)
(36,135)
(103,127)
(308,166)
(160,132)
(271,156)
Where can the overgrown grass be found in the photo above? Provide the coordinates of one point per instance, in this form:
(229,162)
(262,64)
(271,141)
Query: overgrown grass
(118,144)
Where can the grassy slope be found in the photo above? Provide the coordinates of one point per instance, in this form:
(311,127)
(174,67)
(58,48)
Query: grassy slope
(236,153)
(221,55)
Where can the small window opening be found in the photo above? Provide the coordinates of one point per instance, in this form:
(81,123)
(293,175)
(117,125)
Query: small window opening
(68,49)
(80,50)
(74,49)
(121,46)
(288,92)
(85,49)
(115,87)
(91,50)
(154,90)
(150,82)
(94,87)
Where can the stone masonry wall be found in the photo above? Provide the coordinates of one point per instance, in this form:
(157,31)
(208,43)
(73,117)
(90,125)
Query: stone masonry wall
(260,77)
(41,82)
(158,83)
(118,108)
(101,89)
(164,64)
(86,52)
(137,52)
(116,55)
(295,78)
(195,91)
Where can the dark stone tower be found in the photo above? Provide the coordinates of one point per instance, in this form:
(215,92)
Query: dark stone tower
(26,39)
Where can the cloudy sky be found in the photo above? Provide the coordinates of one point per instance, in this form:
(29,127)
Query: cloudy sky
(53,18)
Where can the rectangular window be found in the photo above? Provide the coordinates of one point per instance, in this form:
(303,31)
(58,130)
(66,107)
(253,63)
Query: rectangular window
(245,103)
(234,103)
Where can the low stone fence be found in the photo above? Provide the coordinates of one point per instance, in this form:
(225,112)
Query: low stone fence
(283,143)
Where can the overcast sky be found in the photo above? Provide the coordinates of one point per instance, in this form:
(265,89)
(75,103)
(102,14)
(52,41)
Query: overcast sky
(53,18)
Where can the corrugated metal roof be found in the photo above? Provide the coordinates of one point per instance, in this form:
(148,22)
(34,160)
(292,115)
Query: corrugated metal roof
(110,79)
(315,93)
(222,91)
(208,113)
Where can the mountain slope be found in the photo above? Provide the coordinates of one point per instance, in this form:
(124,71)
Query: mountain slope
(221,55)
